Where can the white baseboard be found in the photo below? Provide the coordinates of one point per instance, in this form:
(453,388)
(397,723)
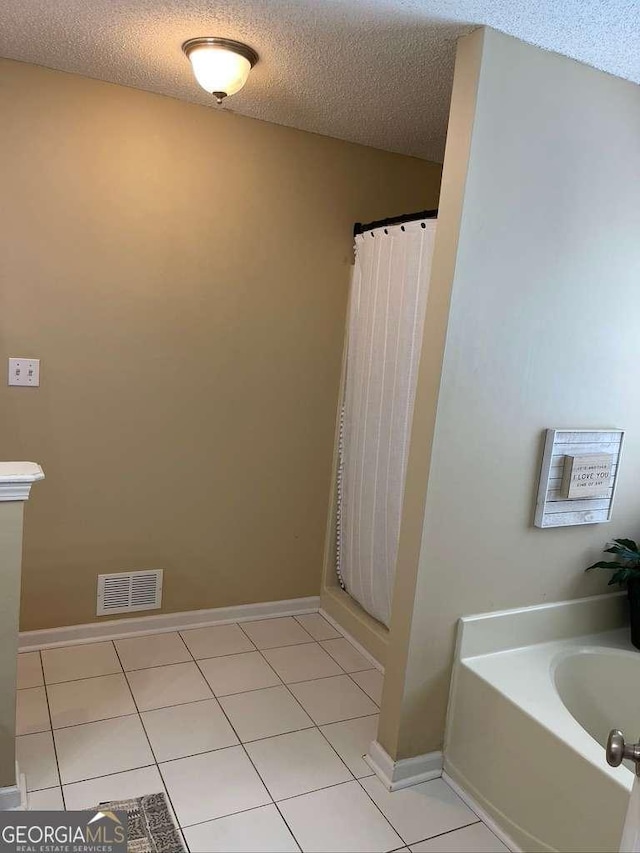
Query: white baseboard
(22,785)
(13,798)
(117,629)
(406,772)
(374,663)
(484,816)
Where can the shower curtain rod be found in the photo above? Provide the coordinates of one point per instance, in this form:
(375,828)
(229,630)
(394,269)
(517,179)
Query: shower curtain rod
(361,227)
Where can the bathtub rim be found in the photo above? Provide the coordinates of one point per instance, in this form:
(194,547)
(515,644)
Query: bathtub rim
(546,633)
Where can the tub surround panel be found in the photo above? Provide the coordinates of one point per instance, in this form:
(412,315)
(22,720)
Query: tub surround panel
(513,743)
(514,770)
(525,677)
(523,626)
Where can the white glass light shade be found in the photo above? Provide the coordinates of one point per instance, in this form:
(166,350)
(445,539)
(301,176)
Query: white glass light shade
(220,66)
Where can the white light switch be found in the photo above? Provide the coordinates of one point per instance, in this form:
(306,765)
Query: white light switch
(24,371)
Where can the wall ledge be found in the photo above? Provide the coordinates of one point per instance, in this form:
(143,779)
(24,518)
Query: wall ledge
(16,479)
(503,630)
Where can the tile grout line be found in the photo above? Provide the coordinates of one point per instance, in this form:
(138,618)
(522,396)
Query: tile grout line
(343,671)
(180,632)
(429,837)
(107,775)
(230,654)
(272,648)
(53,740)
(397,831)
(351,674)
(244,749)
(316,791)
(213,697)
(334,659)
(261,651)
(332,747)
(449,831)
(317,725)
(193,659)
(83,678)
(324,639)
(313,639)
(320,642)
(263,658)
(156,765)
(91,722)
(346,719)
(358,781)
(184,643)
(46,788)
(314,725)
(72,644)
(283,818)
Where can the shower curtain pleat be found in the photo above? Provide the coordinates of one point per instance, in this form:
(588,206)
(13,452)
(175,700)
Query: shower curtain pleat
(386,319)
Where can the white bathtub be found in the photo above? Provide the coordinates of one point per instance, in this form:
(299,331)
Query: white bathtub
(600,687)
(527,725)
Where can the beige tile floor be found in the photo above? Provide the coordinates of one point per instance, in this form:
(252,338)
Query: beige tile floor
(254,731)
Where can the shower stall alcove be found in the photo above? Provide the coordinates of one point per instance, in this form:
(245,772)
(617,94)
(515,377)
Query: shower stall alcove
(387,305)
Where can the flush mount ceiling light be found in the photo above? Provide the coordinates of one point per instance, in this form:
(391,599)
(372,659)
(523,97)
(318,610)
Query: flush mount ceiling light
(221,66)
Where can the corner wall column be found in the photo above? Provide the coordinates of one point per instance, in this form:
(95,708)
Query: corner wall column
(16,479)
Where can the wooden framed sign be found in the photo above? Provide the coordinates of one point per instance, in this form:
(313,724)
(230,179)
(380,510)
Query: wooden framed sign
(587,476)
(578,477)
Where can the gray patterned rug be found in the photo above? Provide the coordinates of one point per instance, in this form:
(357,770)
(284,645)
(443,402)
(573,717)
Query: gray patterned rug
(150,826)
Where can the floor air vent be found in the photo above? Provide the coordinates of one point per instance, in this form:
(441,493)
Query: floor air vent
(128,591)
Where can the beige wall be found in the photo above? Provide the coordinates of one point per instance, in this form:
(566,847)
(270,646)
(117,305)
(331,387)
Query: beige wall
(11,514)
(182,273)
(542,332)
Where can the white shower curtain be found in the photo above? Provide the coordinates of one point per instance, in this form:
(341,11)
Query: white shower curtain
(386,319)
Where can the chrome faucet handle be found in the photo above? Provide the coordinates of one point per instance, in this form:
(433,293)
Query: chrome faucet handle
(618,750)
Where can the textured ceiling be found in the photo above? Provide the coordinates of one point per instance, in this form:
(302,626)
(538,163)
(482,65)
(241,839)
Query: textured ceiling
(372,71)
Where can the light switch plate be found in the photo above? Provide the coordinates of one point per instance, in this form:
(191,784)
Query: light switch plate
(24,371)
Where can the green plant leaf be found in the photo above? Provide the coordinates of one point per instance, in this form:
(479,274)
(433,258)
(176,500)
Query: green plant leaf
(628,543)
(623,546)
(624,553)
(602,564)
(622,576)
